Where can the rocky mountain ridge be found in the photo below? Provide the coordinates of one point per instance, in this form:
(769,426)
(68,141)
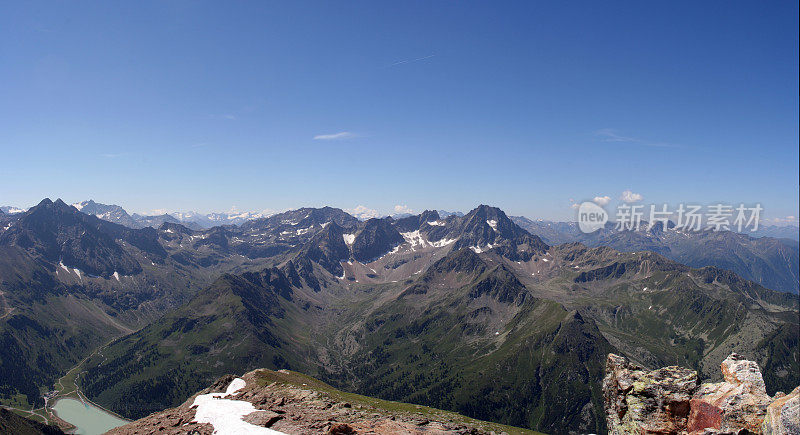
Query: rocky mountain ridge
(771,262)
(284,402)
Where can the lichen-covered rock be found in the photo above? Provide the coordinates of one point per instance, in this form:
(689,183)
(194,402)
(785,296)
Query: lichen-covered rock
(740,402)
(783,415)
(670,401)
(647,402)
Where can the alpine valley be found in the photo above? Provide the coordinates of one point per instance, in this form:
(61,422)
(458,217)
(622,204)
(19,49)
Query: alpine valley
(503,320)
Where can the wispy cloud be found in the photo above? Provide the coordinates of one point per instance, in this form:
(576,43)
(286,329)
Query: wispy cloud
(402,209)
(611,135)
(363,212)
(401,62)
(113,155)
(226,116)
(602,201)
(783,221)
(335,136)
(629,197)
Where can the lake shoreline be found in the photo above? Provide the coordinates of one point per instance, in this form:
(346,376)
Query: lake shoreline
(86,417)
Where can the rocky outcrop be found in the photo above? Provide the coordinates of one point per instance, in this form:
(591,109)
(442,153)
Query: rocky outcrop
(284,402)
(671,401)
(647,402)
(739,402)
(783,415)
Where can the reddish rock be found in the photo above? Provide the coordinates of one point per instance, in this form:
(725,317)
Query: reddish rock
(704,415)
(341,429)
(740,402)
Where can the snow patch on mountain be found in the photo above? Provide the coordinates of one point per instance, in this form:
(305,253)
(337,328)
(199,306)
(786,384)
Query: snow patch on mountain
(442,243)
(414,238)
(226,415)
(478,249)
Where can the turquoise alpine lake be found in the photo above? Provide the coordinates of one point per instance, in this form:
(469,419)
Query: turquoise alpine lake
(87,418)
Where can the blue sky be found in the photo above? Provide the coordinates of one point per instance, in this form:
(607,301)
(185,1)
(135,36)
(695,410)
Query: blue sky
(525,105)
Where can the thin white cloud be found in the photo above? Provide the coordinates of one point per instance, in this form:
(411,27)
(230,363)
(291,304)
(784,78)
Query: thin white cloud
(363,212)
(402,209)
(611,135)
(335,136)
(113,155)
(602,201)
(228,116)
(629,197)
(401,62)
(788,220)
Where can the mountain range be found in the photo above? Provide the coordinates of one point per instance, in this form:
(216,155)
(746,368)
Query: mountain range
(771,262)
(472,314)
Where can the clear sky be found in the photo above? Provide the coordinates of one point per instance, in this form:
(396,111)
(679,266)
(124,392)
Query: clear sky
(191,105)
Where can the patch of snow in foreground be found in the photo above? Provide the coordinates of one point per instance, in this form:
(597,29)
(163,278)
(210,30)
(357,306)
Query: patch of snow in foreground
(349,238)
(226,414)
(116,275)
(436,223)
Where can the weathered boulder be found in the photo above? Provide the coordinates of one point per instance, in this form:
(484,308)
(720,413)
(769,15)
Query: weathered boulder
(647,402)
(783,415)
(738,370)
(739,402)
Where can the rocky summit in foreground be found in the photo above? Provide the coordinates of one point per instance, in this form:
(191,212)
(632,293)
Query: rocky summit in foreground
(671,400)
(284,402)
